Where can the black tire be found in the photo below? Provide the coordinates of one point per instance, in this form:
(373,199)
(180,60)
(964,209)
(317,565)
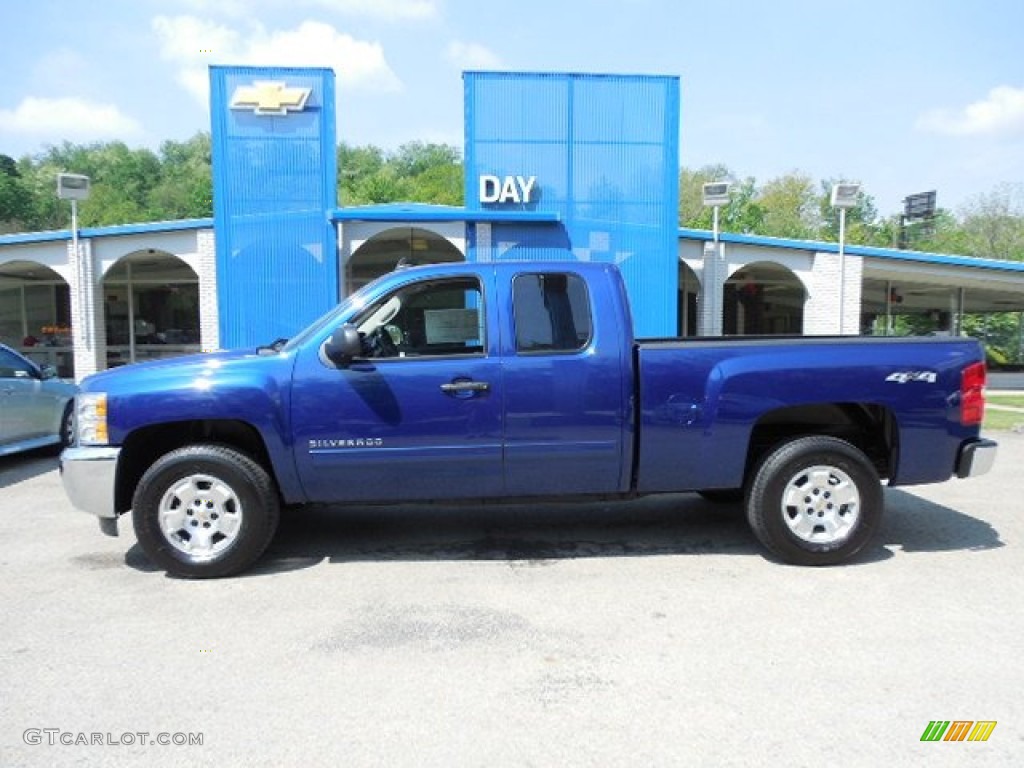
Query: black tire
(219,509)
(815,501)
(67,425)
(722,495)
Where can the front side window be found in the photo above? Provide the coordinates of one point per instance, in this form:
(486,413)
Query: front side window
(552,313)
(14,367)
(427,319)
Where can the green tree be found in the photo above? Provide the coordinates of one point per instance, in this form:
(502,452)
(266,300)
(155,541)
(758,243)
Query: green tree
(1000,332)
(185,186)
(742,214)
(45,210)
(384,186)
(692,211)
(993,223)
(415,172)
(441,184)
(15,200)
(861,220)
(790,207)
(122,179)
(355,166)
(946,234)
(416,157)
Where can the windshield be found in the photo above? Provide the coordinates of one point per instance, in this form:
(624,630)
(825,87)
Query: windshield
(355,300)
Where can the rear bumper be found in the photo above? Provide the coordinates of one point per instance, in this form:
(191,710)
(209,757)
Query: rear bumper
(976,458)
(88,475)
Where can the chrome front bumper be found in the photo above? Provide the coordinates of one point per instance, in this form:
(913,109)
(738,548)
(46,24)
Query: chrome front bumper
(976,458)
(88,474)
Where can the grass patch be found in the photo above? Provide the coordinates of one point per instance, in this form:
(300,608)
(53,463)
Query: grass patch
(1017,401)
(1003,420)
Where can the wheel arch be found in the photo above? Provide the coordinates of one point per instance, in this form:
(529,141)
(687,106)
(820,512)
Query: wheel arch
(869,427)
(145,445)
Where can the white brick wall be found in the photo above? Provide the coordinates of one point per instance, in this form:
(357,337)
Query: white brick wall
(87,323)
(819,272)
(825,297)
(209,325)
(712,278)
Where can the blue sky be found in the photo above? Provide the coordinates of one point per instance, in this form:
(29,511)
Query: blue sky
(902,95)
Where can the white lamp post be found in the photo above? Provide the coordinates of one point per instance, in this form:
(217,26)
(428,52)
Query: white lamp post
(716,194)
(75,187)
(843,196)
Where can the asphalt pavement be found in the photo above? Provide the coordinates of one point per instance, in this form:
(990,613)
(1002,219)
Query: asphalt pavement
(650,633)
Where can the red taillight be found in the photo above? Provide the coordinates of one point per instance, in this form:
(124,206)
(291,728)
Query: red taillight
(972,395)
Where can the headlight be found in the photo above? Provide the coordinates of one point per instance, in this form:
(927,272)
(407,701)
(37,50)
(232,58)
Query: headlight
(91,418)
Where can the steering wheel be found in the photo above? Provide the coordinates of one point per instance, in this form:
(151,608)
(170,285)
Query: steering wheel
(396,334)
(381,343)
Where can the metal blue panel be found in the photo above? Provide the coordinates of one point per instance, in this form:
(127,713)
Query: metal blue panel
(605,153)
(274,186)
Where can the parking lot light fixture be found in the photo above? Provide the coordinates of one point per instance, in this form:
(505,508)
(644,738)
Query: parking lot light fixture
(844,195)
(715,195)
(75,187)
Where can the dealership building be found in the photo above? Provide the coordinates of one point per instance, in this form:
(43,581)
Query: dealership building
(557,166)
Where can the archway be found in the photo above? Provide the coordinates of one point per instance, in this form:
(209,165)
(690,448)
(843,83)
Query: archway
(763,298)
(385,250)
(35,314)
(150,308)
(688,289)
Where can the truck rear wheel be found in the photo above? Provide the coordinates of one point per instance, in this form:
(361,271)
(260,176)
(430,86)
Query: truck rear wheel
(815,501)
(205,511)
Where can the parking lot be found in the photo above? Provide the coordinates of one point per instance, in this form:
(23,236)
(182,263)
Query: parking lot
(642,633)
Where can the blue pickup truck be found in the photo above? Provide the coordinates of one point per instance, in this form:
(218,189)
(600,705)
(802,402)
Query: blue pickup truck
(518,381)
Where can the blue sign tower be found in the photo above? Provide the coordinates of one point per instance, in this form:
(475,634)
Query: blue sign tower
(600,151)
(274,187)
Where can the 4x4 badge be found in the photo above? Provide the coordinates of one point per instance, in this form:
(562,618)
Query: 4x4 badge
(902,377)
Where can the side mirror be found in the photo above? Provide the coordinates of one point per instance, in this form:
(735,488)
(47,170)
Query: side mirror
(47,372)
(343,346)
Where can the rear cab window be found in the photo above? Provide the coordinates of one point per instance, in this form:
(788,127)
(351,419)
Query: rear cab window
(551,313)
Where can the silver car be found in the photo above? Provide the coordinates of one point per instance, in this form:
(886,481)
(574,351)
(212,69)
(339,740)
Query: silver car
(36,408)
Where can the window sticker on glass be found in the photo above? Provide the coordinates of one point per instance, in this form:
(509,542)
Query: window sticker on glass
(452,326)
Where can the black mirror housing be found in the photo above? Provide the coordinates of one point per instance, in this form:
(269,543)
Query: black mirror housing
(343,346)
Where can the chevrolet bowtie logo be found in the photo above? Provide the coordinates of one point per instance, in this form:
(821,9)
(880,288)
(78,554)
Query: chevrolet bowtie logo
(270,97)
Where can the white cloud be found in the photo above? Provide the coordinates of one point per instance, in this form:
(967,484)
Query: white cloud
(1000,114)
(357,63)
(194,43)
(73,119)
(193,40)
(471,56)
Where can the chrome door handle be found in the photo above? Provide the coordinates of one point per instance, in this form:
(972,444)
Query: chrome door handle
(465,388)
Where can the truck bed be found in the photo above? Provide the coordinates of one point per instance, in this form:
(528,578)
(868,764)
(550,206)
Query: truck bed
(707,399)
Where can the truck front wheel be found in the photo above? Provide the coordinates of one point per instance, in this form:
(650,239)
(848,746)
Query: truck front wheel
(815,501)
(205,511)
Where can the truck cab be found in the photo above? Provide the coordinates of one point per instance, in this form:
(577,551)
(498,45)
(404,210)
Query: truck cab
(480,380)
